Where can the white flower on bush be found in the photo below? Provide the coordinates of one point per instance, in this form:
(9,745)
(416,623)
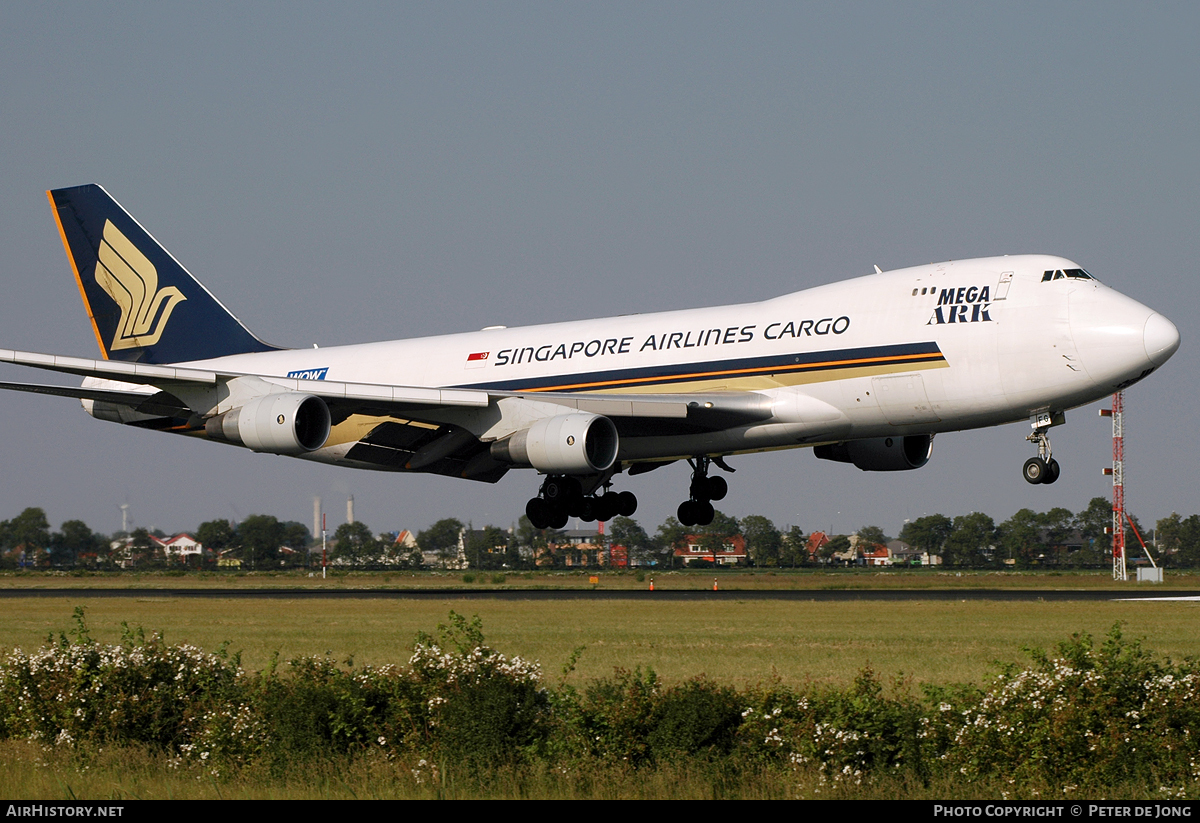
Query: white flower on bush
(475,666)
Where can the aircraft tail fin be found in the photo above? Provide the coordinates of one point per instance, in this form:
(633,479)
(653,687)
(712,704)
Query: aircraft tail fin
(143,304)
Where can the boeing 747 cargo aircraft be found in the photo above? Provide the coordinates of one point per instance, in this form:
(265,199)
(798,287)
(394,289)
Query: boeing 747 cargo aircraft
(864,371)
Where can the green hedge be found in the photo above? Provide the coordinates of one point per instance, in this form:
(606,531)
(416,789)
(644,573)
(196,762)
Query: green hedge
(1090,715)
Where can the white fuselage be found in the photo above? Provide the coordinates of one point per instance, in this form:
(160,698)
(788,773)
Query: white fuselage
(928,349)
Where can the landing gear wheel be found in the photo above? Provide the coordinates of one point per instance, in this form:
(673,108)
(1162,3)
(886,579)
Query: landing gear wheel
(589,510)
(716,488)
(697,510)
(695,513)
(627,504)
(561,492)
(1036,470)
(687,513)
(1052,471)
(607,506)
(538,513)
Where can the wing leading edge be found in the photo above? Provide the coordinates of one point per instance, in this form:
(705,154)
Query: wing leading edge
(180,393)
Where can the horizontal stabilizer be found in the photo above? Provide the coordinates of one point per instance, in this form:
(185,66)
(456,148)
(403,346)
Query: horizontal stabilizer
(128,398)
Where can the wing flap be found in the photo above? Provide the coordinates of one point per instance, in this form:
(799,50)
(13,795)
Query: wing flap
(374,394)
(702,412)
(619,406)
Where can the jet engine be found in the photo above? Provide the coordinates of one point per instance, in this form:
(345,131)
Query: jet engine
(578,443)
(881,454)
(275,423)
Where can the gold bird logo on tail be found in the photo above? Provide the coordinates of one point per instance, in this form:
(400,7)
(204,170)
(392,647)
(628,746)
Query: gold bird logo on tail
(131,280)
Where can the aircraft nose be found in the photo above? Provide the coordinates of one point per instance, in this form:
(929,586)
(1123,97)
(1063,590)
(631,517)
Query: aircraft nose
(1161,338)
(1117,338)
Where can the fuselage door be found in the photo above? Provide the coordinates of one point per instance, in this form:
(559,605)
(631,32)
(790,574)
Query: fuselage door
(1002,286)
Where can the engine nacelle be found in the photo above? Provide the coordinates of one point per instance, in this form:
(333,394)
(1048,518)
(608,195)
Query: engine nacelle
(275,423)
(881,454)
(577,443)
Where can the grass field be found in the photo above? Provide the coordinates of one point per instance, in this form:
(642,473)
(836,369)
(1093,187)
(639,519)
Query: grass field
(736,642)
(739,643)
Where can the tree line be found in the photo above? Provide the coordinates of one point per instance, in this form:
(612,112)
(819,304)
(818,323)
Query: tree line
(1028,539)
(260,541)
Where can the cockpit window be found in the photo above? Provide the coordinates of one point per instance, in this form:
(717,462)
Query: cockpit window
(1059,274)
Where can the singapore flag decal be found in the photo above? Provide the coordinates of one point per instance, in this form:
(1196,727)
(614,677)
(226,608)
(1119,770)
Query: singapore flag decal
(477,360)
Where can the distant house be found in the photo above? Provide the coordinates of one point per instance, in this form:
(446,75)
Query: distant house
(816,541)
(731,553)
(906,555)
(180,547)
(121,551)
(575,548)
(848,557)
(405,543)
(581,548)
(875,554)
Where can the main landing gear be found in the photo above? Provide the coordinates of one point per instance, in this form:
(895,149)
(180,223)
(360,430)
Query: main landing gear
(562,497)
(1043,468)
(697,510)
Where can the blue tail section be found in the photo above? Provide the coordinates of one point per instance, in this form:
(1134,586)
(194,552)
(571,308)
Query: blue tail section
(144,306)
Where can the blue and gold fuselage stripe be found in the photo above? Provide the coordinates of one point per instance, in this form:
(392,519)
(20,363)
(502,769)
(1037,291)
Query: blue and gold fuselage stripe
(794,363)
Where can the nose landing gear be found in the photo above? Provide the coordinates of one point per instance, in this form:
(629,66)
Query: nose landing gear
(1037,470)
(1043,468)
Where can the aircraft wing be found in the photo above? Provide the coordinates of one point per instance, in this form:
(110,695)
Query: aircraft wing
(168,377)
(634,414)
(108,369)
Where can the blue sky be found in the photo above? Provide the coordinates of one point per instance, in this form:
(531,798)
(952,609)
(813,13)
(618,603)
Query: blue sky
(358,172)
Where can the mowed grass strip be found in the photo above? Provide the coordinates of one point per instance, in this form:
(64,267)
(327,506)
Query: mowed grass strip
(691,579)
(123,773)
(738,643)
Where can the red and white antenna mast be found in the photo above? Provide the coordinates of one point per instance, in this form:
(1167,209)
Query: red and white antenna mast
(1118,475)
